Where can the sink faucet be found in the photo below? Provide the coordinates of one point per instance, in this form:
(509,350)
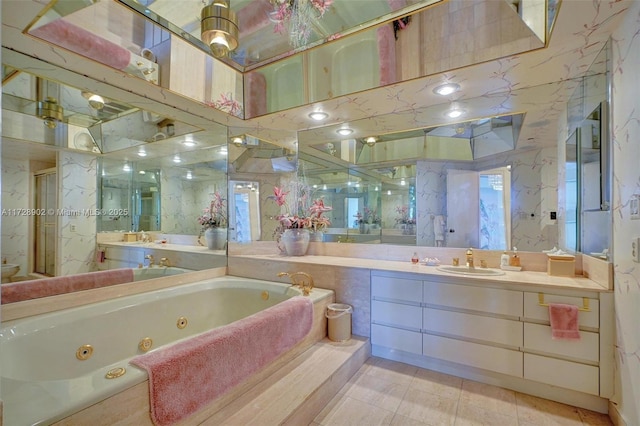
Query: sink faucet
(164,262)
(470,258)
(305,283)
(150,258)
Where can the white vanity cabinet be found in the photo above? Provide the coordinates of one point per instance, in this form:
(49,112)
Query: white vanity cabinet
(496,331)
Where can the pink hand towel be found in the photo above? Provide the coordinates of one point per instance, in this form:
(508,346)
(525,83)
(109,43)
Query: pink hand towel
(564,321)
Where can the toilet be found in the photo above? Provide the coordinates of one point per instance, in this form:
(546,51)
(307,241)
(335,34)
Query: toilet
(8,271)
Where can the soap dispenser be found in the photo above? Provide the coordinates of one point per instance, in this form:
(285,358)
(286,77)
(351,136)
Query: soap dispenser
(504,259)
(515,259)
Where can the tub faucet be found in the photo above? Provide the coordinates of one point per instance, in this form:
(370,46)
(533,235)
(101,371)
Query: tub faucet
(470,258)
(164,262)
(305,283)
(150,258)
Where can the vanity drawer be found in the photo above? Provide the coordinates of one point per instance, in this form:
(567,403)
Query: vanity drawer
(564,374)
(395,314)
(490,300)
(494,330)
(395,338)
(537,338)
(500,360)
(396,288)
(533,310)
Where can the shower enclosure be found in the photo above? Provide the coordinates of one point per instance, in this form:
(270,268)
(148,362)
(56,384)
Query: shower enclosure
(45,224)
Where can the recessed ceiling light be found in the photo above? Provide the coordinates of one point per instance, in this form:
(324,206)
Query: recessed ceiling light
(237,140)
(142,172)
(324,187)
(403,182)
(176,159)
(189,175)
(318,115)
(126,168)
(142,153)
(454,113)
(223,150)
(388,192)
(446,89)
(344,132)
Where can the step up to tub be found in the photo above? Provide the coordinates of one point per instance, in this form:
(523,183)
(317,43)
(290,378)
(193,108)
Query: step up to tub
(298,391)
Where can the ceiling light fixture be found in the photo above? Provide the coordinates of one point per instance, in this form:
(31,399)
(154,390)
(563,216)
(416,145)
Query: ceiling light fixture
(454,113)
(189,175)
(50,112)
(126,168)
(371,141)
(142,153)
(142,172)
(219,28)
(176,159)
(237,140)
(96,102)
(318,115)
(344,132)
(324,187)
(446,89)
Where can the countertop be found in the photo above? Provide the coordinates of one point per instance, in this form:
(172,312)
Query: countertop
(529,278)
(166,246)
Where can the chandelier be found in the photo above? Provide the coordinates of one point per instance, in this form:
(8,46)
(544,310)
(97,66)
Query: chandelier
(295,18)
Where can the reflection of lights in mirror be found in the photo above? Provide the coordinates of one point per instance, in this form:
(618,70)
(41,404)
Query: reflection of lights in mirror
(189,142)
(454,112)
(142,153)
(219,28)
(344,131)
(371,141)
(142,172)
(126,167)
(176,159)
(223,150)
(189,175)
(237,140)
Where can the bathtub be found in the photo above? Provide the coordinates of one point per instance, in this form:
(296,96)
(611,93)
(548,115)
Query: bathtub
(44,378)
(140,274)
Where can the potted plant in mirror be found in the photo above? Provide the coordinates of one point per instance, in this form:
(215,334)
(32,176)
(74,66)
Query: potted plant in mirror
(294,230)
(406,222)
(214,223)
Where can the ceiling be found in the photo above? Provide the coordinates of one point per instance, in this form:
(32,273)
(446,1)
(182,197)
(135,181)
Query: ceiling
(536,83)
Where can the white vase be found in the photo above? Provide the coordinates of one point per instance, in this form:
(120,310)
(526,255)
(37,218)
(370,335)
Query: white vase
(296,241)
(216,238)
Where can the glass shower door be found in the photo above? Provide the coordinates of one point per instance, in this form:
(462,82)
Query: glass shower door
(45,241)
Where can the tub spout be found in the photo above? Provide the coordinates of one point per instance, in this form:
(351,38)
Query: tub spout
(150,258)
(305,283)
(164,262)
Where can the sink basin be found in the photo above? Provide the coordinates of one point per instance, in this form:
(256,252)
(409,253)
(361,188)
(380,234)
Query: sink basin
(463,270)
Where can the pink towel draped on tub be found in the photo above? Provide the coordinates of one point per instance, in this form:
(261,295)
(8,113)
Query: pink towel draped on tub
(564,321)
(26,290)
(187,375)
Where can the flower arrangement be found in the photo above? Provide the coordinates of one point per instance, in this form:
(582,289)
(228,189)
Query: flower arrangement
(370,216)
(298,17)
(403,218)
(313,219)
(214,216)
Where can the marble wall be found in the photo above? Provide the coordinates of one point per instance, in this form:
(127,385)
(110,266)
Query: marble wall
(626,185)
(15,228)
(77,190)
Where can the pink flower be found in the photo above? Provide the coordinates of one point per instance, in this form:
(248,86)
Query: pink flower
(318,207)
(279,195)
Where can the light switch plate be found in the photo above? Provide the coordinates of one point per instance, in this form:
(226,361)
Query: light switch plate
(635,249)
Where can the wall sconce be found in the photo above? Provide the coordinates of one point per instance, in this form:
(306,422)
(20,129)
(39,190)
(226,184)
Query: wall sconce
(50,112)
(237,141)
(219,28)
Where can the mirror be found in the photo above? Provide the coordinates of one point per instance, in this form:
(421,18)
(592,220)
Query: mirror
(96,169)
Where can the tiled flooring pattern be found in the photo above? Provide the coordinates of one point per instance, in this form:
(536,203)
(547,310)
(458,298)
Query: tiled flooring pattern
(385,392)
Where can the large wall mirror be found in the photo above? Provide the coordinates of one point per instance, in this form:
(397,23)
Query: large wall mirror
(92,164)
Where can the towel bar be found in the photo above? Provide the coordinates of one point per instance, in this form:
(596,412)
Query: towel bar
(584,308)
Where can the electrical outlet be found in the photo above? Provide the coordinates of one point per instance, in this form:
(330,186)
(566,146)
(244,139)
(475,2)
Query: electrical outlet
(72,228)
(634,207)
(635,249)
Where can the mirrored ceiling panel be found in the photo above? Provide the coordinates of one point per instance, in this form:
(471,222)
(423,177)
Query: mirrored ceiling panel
(272,29)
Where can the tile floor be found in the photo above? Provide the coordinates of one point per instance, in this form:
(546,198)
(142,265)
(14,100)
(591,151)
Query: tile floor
(385,392)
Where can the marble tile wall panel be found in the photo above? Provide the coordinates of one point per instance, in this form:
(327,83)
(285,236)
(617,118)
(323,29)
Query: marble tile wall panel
(15,227)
